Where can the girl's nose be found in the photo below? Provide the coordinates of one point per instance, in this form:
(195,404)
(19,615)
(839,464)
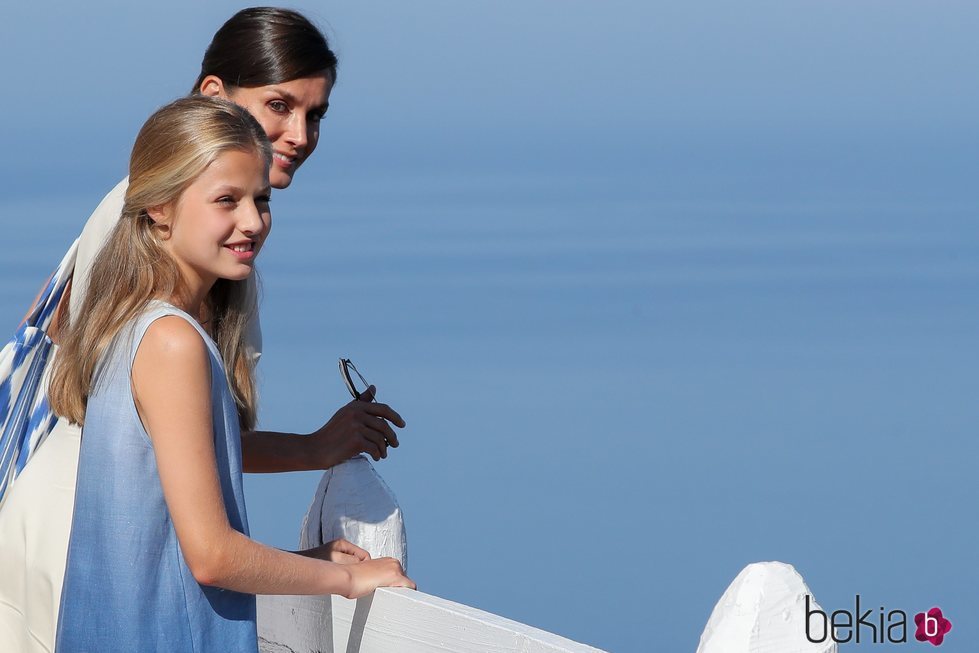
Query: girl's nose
(253,222)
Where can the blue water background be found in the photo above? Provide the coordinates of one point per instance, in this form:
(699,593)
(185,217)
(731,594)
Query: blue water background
(661,290)
(616,403)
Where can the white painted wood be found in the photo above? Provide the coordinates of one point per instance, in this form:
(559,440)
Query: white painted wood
(762,611)
(395,619)
(353,502)
(290,624)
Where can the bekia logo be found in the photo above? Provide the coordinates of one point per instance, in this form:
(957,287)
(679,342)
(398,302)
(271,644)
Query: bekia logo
(884,627)
(932,626)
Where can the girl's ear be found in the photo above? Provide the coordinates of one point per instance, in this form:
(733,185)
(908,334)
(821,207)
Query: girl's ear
(160,215)
(213,86)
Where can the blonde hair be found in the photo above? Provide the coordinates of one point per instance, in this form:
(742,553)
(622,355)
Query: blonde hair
(173,148)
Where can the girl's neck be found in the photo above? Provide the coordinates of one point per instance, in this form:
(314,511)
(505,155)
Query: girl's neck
(191,305)
(191,293)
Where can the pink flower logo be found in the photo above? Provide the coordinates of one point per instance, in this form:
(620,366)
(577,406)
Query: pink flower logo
(932,626)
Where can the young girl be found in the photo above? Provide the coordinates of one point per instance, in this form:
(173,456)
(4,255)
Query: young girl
(155,367)
(279,66)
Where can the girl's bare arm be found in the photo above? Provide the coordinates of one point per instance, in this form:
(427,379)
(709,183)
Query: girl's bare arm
(171,385)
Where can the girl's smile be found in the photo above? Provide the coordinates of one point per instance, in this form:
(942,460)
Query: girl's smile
(245,251)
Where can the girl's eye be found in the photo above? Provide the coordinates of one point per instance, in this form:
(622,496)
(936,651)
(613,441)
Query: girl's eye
(316,117)
(227,199)
(278,106)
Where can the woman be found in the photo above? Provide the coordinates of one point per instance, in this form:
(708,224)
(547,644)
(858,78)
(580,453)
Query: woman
(277,65)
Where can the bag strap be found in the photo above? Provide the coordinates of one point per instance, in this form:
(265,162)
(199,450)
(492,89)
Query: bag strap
(43,311)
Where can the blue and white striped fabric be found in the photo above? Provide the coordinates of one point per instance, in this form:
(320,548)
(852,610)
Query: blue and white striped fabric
(25,417)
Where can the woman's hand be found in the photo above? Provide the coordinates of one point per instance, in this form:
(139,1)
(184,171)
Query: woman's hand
(340,551)
(367,576)
(360,426)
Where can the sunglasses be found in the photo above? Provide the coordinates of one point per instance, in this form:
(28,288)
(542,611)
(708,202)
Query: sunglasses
(357,385)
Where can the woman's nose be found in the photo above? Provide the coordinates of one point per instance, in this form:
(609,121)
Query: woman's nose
(297,134)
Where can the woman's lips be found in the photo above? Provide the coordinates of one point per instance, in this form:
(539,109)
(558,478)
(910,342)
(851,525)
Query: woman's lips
(284,161)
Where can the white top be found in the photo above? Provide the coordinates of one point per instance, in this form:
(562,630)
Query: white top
(96,231)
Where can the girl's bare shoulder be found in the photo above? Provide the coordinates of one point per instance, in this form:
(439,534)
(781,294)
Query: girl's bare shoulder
(172,341)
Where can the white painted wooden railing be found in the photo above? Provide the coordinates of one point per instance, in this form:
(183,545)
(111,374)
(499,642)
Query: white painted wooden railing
(353,502)
(395,619)
(760,612)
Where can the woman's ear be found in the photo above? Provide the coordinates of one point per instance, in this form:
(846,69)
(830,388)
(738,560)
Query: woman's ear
(212,86)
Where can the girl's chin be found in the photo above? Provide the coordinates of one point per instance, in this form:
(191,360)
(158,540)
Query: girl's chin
(236,278)
(239,275)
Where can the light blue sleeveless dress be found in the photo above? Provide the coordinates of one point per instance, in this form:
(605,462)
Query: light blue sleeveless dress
(127,587)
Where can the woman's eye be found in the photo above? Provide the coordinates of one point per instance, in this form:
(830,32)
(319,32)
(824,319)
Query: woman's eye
(227,199)
(278,106)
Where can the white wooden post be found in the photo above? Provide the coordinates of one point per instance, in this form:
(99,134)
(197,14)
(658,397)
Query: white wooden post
(353,502)
(763,610)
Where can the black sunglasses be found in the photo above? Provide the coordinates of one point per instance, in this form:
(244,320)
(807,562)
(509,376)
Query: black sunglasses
(357,386)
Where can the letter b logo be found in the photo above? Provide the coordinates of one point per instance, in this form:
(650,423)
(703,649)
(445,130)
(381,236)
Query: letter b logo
(820,617)
(932,626)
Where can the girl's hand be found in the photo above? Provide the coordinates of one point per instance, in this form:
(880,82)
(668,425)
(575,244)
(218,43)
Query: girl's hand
(360,426)
(172,368)
(365,577)
(340,551)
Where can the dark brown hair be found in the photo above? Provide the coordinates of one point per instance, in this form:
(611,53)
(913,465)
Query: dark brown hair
(259,46)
